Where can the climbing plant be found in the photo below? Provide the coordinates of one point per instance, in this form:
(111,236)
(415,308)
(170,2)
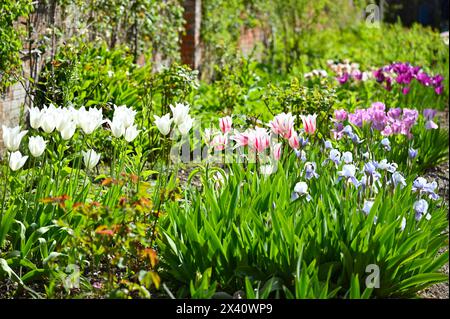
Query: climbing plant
(10,39)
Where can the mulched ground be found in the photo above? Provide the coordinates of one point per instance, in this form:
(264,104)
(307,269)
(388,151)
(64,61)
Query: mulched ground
(441,175)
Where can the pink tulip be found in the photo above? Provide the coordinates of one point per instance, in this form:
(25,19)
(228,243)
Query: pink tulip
(387,131)
(219,142)
(225,124)
(340,115)
(259,139)
(282,124)
(293,140)
(309,123)
(277,151)
(241,139)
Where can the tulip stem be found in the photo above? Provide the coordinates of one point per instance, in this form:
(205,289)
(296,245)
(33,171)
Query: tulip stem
(4,192)
(112,171)
(86,175)
(39,186)
(33,163)
(78,167)
(61,157)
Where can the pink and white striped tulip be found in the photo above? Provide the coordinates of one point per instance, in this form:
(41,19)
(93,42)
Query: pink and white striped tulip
(225,124)
(277,151)
(293,140)
(282,124)
(309,123)
(259,139)
(241,139)
(219,142)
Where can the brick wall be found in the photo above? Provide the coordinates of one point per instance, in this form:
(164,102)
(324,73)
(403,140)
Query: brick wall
(10,106)
(190,40)
(249,40)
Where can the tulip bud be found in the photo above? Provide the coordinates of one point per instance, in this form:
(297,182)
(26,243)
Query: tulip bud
(12,137)
(163,123)
(293,140)
(186,125)
(16,160)
(180,112)
(90,159)
(35,118)
(68,131)
(309,123)
(36,145)
(131,133)
(225,124)
(277,151)
(117,128)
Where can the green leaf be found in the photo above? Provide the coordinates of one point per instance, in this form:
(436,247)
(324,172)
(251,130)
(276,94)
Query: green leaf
(422,280)
(5,269)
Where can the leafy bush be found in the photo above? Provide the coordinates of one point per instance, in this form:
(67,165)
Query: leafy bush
(10,39)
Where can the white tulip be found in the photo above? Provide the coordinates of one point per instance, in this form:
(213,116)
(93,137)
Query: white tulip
(62,118)
(186,125)
(68,130)
(75,114)
(90,120)
(12,137)
(117,128)
(36,145)
(16,160)
(35,117)
(91,159)
(131,133)
(48,119)
(124,115)
(180,113)
(163,123)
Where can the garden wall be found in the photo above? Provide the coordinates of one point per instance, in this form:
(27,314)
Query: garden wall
(10,105)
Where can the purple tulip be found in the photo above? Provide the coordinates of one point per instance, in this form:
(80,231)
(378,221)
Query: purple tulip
(405,90)
(340,115)
(357,75)
(387,131)
(388,84)
(424,79)
(343,79)
(379,75)
(394,113)
(379,106)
